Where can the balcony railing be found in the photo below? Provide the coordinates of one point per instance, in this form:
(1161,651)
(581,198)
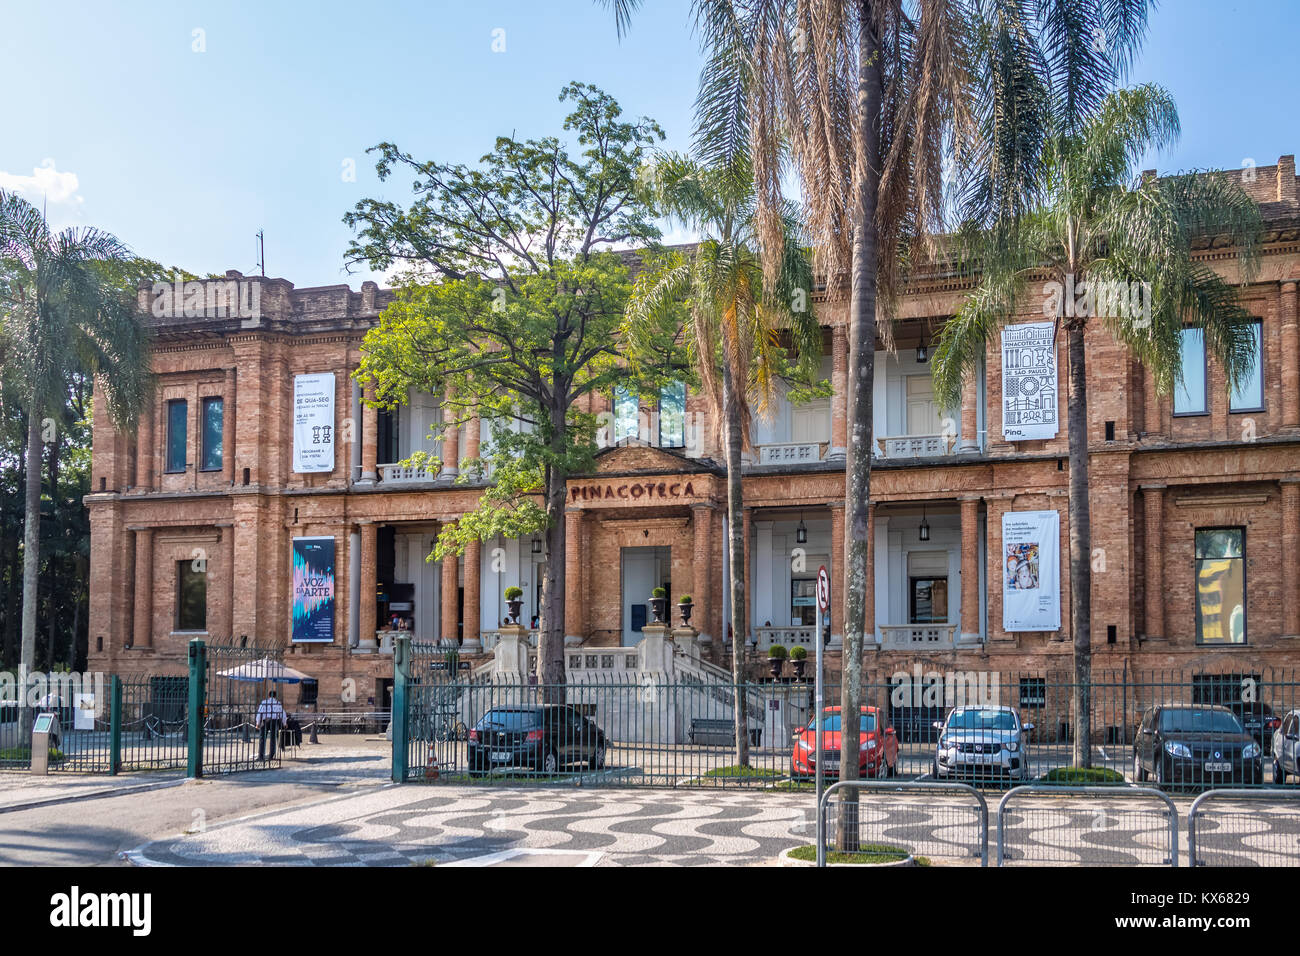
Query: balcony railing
(918,637)
(790,453)
(787,637)
(401,474)
(916,446)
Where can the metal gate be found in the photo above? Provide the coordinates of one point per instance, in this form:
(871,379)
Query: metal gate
(237,680)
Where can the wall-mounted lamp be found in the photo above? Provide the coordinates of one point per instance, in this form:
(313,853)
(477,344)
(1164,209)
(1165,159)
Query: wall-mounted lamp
(925,526)
(922,352)
(537,545)
(801,533)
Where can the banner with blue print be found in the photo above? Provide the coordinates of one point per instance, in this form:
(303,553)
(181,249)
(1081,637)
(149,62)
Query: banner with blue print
(313,590)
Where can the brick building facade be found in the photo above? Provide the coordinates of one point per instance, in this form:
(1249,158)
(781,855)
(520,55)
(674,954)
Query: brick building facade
(1195,498)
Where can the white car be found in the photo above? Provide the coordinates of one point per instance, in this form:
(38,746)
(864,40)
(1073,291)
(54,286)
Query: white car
(983,740)
(1286,748)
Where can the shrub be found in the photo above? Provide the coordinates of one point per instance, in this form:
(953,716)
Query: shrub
(776,652)
(798,653)
(1082,775)
(658,593)
(514,593)
(684,599)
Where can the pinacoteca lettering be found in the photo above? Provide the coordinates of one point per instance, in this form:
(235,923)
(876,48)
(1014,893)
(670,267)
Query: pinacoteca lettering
(636,491)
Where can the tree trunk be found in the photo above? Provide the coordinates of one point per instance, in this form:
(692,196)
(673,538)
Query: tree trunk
(1080,550)
(736,561)
(550,643)
(862,356)
(31,551)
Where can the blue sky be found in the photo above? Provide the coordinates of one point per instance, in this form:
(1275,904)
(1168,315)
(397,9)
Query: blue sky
(115,117)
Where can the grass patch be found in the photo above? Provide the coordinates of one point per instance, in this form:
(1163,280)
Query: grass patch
(747,772)
(1082,775)
(25,753)
(868,853)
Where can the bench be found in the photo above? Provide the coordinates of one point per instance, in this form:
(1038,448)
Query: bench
(713,731)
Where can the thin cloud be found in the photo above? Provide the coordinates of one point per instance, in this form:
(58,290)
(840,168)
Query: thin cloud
(46,184)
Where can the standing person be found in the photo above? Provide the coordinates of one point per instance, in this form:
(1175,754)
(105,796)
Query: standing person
(270,718)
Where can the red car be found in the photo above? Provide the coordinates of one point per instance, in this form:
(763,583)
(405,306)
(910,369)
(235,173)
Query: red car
(877,749)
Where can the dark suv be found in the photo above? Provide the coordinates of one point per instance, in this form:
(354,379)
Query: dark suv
(1197,745)
(543,739)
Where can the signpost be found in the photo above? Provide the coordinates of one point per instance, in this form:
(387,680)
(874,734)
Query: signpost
(823,607)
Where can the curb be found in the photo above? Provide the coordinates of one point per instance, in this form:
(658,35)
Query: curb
(92,795)
(786,860)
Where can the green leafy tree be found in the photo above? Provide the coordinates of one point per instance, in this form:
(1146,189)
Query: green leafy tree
(1123,244)
(734,333)
(62,317)
(512,310)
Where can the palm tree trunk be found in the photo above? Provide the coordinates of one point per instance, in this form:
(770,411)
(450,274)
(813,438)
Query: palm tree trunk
(736,560)
(1080,550)
(31,551)
(862,355)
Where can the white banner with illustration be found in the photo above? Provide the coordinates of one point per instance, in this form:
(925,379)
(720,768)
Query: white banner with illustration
(1031,573)
(313,422)
(1030,396)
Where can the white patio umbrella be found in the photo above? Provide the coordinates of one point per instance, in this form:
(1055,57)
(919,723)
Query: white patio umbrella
(265,670)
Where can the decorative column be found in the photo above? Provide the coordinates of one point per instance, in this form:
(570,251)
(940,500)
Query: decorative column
(1291,557)
(838,566)
(450,442)
(450,587)
(702,579)
(369,455)
(995,506)
(869,599)
(1290,357)
(1153,544)
(970,442)
(970,600)
(747,529)
(144,447)
(473,430)
(573,629)
(840,389)
(232,589)
(369,572)
(228,426)
(142,637)
(473,566)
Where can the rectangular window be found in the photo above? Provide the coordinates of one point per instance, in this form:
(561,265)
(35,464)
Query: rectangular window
(213,415)
(191,597)
(627,414)
(1221,585)
(1189,388)
(177,435)
(929,600)
(1248,396)
(672,415)
(803,602)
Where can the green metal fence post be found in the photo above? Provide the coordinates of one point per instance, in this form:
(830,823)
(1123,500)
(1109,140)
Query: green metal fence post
(115,727)
(198,696)
(401,708)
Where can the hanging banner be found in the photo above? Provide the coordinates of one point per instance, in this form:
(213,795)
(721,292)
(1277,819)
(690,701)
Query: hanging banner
(313,590)
(1031,574)
(313,422)
(1029,389)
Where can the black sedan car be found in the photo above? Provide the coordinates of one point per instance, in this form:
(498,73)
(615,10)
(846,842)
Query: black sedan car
(1195,745)
(543,739)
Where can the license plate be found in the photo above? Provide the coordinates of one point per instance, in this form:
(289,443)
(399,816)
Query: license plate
(1212,766)
(500,755)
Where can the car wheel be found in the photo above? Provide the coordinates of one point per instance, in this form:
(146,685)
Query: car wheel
(893,769)
(550,763)
(1159,774)
(1279,775)
(1139,772)
(934,768)
(598,758)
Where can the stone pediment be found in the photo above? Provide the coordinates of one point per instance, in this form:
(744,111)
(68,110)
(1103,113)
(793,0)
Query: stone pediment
(634,457)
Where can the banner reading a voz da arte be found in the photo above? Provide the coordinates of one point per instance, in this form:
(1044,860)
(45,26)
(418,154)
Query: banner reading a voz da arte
(1031,573)
(1029,388)
(313,423)
(313,590)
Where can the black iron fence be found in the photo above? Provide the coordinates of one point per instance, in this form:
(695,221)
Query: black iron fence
(1178,730)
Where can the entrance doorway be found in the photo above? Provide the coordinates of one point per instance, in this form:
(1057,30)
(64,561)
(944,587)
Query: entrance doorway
(644,569)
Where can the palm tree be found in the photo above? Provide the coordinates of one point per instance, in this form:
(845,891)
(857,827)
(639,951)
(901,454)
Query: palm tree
(733,333)
(1095,222)
(61,315)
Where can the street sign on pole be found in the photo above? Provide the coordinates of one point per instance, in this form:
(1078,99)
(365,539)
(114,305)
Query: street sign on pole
(823,605)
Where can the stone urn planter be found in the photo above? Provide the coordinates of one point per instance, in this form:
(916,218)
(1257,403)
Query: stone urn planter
(799,661)
(658,605)
(685,606)
(514,602)
(776,655)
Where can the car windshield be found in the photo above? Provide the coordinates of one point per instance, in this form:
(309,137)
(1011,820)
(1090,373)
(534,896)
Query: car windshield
(509,720)
(831,723)
(982,720)
(1188,720)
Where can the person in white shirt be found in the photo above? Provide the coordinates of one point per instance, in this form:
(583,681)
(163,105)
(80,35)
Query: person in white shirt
(270,718)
